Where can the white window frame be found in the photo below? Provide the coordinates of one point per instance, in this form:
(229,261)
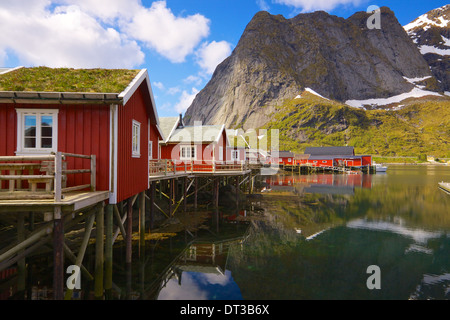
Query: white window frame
(220,153)
(235,155)
(289,159)
(136,131)
(188,154)
(21,113)
(150,150)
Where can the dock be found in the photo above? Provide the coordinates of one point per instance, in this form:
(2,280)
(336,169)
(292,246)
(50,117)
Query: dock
(308,169)
(36,199)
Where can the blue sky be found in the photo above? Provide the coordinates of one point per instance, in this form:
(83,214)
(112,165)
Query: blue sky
(179,41)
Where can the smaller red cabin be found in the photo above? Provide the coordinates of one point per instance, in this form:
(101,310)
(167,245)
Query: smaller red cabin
(199,144)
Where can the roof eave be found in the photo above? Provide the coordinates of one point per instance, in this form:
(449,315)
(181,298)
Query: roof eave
(37,97)
(126,94)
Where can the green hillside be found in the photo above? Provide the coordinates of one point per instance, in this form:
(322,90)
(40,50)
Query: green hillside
(422,126)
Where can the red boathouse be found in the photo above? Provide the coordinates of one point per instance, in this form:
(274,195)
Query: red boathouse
(107,113)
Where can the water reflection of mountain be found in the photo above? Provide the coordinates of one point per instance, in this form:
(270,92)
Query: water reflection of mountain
(414,263)
(320,183)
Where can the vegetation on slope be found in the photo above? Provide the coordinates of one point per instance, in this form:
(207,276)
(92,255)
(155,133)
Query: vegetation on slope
(422,126)
(67,80)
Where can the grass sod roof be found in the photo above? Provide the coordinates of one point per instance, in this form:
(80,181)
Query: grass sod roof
(44,79)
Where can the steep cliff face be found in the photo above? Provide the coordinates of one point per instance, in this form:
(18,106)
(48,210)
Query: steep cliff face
(277,58)
(431,33)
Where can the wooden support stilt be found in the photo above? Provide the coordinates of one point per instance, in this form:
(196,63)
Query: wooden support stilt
(99,252)
(195,192)
(216,192)
(108,250)
(152,203)
(129,232)
(120,221)
(141,223)
(71,256)
(58,255)
(171,196)
(21,268)
(237,191)
(89,223)
(185,187)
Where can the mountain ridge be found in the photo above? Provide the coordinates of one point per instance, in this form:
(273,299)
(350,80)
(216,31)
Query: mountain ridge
(340,59)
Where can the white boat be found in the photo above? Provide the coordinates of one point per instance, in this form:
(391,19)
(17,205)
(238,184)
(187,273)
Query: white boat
(379,167)
(445,186)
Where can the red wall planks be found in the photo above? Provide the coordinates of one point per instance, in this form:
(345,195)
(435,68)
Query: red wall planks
(82,129)
(132,172)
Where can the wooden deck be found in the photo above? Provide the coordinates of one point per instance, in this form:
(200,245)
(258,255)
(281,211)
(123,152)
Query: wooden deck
(169,169)
(73,201)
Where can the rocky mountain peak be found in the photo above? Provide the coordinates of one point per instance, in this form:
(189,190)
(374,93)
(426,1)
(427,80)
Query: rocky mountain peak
(431,33)
(277,58)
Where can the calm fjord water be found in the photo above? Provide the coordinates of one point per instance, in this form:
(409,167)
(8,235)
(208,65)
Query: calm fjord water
(314,236)
(309,237)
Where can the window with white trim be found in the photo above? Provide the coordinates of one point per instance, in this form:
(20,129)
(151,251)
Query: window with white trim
(235,155)
(37,131)
(150,150)
(136,140)
(220,153)
(188,153)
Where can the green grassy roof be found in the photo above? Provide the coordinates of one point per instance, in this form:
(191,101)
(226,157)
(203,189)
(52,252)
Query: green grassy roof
(43,79)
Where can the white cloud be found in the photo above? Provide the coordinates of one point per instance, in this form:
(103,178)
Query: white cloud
(185,100)
(171,36)
(193,79)
(65,36)
(262,4)
(312,5)
(159,85)
(101,33)
(106,10)
(173,91)
(211,54)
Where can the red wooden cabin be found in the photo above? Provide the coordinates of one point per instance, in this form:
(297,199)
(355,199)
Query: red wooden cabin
(284,158)
(335,156)
(116,123)
(198,144)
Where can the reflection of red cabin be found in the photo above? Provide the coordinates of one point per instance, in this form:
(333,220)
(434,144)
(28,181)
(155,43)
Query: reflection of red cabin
(195,143)
(121,128)
(353,180)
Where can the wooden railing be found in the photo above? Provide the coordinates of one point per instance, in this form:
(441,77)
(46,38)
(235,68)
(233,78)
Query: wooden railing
(171,167)
(52,173)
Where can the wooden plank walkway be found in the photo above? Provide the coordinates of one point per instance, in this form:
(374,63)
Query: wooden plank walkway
(73,201)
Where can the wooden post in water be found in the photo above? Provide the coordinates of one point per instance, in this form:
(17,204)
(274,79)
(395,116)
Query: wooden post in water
(185,185)
(108,250)
(58,255)
(99,251)
(21,268)
(129,231)
(141,223)
(237,191)
(216,192)
(195,192)
(171,181)
(152,202)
